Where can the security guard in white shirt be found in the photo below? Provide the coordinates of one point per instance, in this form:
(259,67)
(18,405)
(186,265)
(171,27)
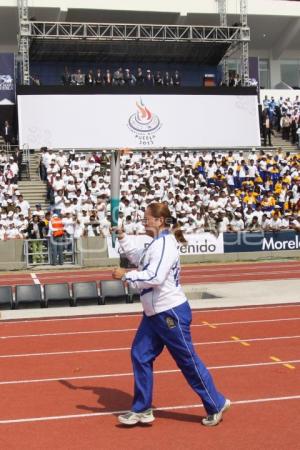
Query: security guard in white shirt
(166,320)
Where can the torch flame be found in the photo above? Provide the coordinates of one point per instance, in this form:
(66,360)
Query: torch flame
(143,112)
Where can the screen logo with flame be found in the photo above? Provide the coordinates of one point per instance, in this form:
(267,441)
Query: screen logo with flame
(144,124)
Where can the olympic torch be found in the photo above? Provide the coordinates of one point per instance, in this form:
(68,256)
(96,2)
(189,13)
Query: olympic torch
(115,190)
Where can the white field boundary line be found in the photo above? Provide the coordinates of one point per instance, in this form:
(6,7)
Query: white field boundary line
(162,408)
(120,349)
(120,315)
(155,372)
(125,330)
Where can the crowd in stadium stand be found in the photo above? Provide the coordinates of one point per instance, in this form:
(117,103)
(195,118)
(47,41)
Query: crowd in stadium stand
(206,191)
(282,115)
(121,77)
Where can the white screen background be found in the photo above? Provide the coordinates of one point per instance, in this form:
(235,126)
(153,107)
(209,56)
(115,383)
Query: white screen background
(101,121)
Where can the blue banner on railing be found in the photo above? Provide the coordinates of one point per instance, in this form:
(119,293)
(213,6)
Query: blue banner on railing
(7,78)
(261,242)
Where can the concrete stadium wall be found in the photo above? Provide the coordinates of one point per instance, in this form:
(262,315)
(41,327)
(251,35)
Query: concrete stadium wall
(12,255)
(92,252)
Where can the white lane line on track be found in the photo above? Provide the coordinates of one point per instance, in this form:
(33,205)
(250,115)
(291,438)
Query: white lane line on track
(248,321)
(35,278)
(163,408)
(239,275)
(120,315)
(122,349)
(156,372)
(124,330)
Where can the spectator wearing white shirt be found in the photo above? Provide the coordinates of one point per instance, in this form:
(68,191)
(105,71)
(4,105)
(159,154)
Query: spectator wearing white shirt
(265,222)
(275,222)
(236,224)
(190,226)
(222,223)
(129,226)
(24,205)
(104,225)
(12,232)
(38,211)
(61,159)
(254,225)
(57,184)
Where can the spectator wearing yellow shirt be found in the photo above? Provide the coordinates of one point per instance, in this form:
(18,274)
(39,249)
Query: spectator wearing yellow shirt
(250,197)
(279,186)
(268,202)
(274,172)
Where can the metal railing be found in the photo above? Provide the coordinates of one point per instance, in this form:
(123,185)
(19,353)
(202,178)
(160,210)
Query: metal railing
(38,252)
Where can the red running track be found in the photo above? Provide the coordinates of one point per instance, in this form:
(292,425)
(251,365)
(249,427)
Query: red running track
(190,274)
(63,381)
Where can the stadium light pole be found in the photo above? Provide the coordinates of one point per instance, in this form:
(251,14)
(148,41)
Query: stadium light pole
(115,175)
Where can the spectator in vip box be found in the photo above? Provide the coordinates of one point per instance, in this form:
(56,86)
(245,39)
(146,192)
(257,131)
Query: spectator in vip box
(89,78)
(158,79)
(176,79)
(167,80)
(149,78)
(66,77)
(99,78)
(139,76)
(129,78)
(78,78)
(107,78)
(118,77)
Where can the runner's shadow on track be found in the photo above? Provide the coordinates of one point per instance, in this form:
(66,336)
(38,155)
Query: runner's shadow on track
(109,399)
(117,400)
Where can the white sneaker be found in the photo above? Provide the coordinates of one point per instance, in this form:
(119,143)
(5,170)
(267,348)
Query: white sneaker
(214,419)
(132,418)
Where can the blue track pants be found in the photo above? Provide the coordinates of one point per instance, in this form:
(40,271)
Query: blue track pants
(171,329)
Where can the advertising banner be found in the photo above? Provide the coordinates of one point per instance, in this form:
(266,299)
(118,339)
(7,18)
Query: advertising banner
(7,78)
(197,244)
(261,242)
(138,121)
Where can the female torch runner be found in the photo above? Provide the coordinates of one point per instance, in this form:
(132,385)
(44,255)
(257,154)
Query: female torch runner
(166,320)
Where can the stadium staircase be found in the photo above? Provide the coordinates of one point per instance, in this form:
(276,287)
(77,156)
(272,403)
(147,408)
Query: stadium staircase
(286,146)
(31,186)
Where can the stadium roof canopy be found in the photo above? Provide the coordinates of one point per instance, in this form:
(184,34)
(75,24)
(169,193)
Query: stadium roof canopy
(274,24)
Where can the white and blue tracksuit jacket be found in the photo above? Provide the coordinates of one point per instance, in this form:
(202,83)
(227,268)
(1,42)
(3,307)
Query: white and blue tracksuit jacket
(157,276)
